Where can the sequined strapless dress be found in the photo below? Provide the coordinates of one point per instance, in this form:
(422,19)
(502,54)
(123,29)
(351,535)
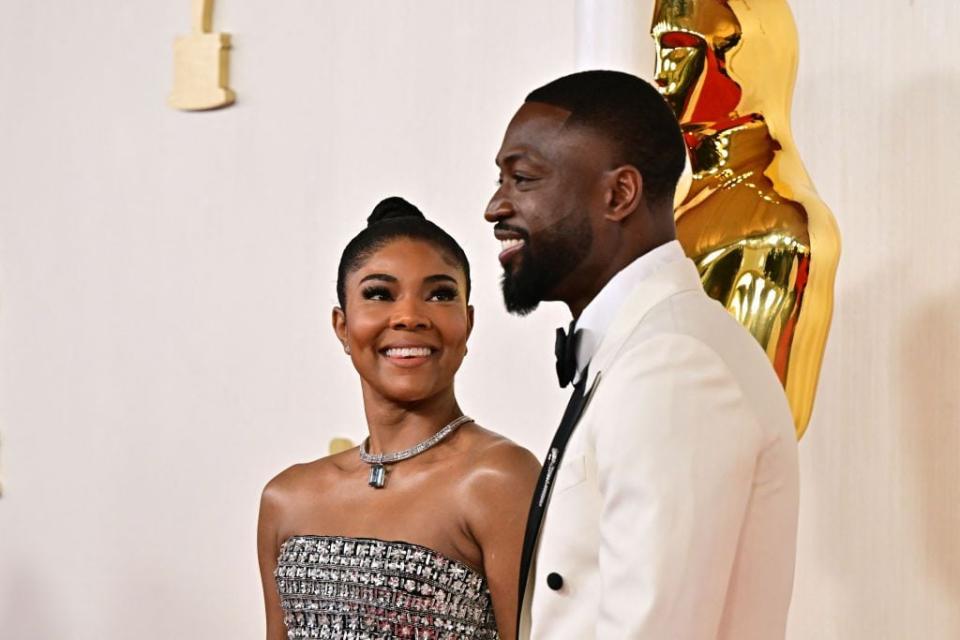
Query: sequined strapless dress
(366,589)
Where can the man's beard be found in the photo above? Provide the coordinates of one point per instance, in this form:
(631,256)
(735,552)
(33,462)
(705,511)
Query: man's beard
(559,251)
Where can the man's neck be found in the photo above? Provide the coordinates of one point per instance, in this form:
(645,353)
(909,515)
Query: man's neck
(591,283)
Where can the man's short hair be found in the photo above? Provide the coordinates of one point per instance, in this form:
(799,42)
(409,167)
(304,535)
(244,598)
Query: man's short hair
(632,115)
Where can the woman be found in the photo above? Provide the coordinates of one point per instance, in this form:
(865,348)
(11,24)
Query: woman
(416,533)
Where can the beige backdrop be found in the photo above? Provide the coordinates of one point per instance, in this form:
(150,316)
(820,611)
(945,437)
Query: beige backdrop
(166,281)
(875,114)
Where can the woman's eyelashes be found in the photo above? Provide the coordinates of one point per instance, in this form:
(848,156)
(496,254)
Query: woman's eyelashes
(445,293)
(377,292)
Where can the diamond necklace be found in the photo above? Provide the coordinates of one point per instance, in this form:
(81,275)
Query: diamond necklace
(378,474)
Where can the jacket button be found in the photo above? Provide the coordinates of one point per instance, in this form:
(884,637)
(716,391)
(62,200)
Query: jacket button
(555,581)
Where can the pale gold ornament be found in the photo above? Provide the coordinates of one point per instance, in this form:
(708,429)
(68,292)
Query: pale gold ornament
(340,444)
(764,242)
(201,65)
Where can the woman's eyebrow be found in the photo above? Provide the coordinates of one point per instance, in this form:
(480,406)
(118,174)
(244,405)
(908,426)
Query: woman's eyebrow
(440,277)
(378,276)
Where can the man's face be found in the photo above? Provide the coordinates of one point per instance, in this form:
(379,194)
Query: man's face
(544,208)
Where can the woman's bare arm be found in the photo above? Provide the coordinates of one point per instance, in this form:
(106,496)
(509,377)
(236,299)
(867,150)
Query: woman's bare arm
(498,501)
(268,547)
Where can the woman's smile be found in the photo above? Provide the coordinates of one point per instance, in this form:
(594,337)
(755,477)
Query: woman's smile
(409,355)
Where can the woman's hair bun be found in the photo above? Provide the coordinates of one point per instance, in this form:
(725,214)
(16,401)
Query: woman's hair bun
(392,208)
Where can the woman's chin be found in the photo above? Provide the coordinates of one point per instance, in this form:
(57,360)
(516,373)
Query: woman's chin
(408,389)
(412,393)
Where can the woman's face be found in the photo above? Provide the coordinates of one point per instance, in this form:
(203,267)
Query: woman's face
(406,321)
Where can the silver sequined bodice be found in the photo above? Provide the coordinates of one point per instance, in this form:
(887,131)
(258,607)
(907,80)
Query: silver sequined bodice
(367,589)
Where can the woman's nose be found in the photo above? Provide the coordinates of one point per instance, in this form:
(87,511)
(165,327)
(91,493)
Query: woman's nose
(408,315)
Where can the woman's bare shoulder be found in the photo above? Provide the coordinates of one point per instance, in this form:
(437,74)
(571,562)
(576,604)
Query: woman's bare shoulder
(499,485)
(306,477)
(497,459)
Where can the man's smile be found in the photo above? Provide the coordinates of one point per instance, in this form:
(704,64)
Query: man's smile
(512,243)
(510,248)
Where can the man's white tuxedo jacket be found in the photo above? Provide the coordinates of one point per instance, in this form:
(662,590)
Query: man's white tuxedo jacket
(674,511)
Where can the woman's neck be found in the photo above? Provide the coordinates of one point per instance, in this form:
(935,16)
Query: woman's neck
(395,426)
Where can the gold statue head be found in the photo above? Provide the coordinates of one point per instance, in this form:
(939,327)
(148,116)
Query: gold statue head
(721,63)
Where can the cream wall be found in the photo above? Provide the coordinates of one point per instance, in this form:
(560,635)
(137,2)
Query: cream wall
(875,117)
(166,281)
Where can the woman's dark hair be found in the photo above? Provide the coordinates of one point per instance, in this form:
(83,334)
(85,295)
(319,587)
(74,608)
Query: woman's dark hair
(391,219)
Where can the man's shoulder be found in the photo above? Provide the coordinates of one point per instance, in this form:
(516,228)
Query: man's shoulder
(691,343)
(694,316)
(685,316)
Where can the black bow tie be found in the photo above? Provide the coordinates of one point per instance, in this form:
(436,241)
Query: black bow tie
(566,350)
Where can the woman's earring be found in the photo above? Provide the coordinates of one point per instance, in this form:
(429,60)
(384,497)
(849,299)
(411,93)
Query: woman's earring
(346,348)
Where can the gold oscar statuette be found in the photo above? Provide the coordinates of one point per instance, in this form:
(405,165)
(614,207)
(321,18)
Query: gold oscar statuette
(201,64)
(764,242)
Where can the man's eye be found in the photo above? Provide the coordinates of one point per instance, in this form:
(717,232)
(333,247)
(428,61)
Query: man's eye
(443,294)
(376,293)
(517,179)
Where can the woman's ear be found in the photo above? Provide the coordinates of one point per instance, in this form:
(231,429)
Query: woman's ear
(340,327)
(469,320)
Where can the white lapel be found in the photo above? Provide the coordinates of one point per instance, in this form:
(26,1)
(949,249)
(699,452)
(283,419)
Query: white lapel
(667,281)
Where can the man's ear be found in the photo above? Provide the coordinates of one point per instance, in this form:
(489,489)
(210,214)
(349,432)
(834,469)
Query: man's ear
(624,192)
(340,325)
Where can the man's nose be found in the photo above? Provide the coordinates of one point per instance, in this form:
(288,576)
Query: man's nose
(499,208)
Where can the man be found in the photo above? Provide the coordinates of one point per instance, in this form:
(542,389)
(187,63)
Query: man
(672,480)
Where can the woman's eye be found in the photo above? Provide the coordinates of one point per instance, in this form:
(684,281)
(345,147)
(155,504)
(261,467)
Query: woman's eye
(443,294)
(376,293)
